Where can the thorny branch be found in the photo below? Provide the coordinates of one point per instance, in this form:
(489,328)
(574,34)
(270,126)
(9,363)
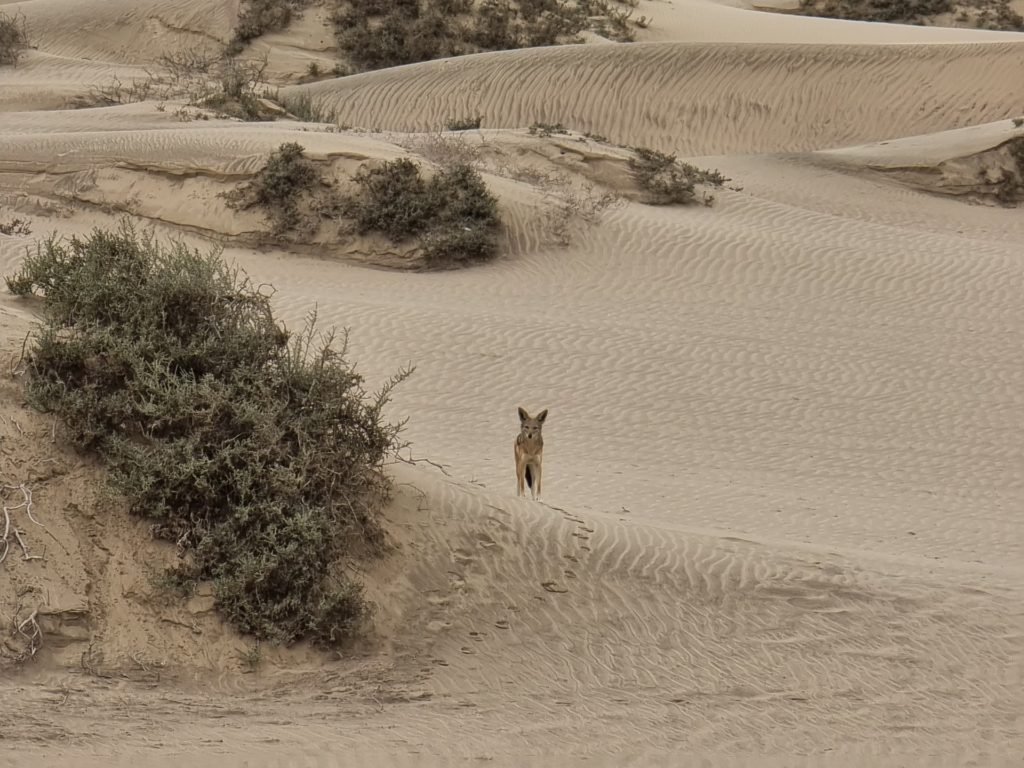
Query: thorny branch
(414,462)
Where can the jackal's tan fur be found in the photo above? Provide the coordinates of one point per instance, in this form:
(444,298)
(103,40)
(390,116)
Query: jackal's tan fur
(529,452)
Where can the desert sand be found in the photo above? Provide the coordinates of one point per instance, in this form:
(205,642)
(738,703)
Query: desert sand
(784,462)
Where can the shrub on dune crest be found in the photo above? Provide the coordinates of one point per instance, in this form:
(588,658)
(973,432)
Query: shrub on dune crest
(287,184)
(453,213)
(258,452)
(667,181)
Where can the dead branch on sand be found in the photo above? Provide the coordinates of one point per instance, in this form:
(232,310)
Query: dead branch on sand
(26,504)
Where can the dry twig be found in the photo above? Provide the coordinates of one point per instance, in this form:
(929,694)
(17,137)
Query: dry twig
(26,504)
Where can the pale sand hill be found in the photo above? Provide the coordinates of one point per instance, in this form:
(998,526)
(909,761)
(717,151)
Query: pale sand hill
(697,99)
(785,454)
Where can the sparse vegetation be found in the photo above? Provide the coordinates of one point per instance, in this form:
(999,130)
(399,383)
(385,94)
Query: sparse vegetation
(464,123)
(258,17)
(453,213)
(547,129)
(13,38)
(1008,186)
(228,85)
(983,14)
(667,181)
(444,149)
(372,34)
(16,226)
(285,189)
(255,450)
(305,107)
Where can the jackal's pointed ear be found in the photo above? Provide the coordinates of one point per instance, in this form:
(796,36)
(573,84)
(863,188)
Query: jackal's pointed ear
(542,415)
(523,415)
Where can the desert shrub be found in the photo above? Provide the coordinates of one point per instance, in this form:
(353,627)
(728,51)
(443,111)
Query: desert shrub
(234,89)
(547,129)
(464,123)
(453,213)
(16,226)
(279,188)
(373,34)
(393,199)
(13,38)
(985,14)
(443,149)
(403,35)
(257,17)
(1008,187)
(497,27)
(258,452)
(667,181)
(230,85)
(305,107)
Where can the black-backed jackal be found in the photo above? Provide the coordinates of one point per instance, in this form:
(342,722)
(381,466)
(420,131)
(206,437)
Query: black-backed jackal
(529,452)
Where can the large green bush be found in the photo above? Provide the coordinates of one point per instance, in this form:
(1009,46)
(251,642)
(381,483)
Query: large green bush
(258,452)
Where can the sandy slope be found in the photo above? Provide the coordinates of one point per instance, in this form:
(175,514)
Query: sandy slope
(784,459)
(697,99)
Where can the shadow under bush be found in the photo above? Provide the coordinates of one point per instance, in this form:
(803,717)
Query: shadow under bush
(256,451)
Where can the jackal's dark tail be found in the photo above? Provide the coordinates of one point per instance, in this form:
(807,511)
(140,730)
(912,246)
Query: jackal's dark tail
(529,476)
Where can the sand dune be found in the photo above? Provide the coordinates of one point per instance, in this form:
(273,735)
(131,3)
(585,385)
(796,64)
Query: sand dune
(784,454)
(697,99)
(701,21)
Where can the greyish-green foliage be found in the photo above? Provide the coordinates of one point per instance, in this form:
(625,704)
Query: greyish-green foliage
(667,181)
(13,38)
(373,34)
(984,14)
(464,123)
(1009,186)
(285,185)
(256,451)
(453,212)
(257,17)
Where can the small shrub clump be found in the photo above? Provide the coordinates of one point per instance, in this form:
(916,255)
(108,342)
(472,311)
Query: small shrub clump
(229,85)
(287,184)
(902,11)
(453,213)
(13,38)
(256,451)
(667,181)
(372,34)
(545,130)
(257,17)
(464,123)
(1008,187)
(16,226)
